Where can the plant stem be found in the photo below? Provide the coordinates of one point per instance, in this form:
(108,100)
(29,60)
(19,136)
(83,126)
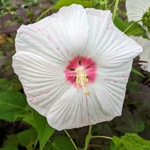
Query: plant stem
(35,144)
(105,4)
(45,12)
(88,137)
(115,9)
(104,137)
(71,140)
(130,26)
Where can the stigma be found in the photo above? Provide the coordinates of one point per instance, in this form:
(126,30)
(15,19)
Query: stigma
(82,80)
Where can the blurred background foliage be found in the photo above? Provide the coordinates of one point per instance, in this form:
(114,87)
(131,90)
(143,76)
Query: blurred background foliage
(22,128)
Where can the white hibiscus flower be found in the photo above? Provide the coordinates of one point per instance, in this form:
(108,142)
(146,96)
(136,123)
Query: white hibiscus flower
(74,66)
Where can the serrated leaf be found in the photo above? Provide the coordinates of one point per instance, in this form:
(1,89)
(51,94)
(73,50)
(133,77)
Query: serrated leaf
(130,122)
(60,143)
(27,138)
(12,106)
(43,129)
(139,92)
(130,141)
(133,141)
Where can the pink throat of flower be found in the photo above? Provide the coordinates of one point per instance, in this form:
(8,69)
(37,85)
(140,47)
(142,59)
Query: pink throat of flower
(81,71)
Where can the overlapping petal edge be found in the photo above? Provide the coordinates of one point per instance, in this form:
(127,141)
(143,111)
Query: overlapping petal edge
(145,55)
(136,9)
(43,51)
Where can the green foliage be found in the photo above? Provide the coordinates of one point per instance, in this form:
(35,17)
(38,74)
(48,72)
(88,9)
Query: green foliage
(6,85)
(130,28)
(129,141)
(27,138)
(60,143)
(129,123)
(9,148)
(12,106)
(12,140)
(137,72)
(146,19)
(100,4)
(43,129)
(61,3)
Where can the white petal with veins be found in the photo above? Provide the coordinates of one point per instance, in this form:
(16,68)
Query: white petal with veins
(57,38)
(43,81)
(107,45)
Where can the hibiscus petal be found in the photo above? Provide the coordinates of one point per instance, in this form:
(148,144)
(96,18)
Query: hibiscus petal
(43,81)
(75,109)
(136,9)
(111,86)
(145,55)
(56,38)
(107,45)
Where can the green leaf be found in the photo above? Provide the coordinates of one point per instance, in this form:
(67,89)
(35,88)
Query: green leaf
(130,141)
(27,138)
(130,28)
(12,84)
(139,92)
(135,29)
(62,3)
(60,143)
(9,148)
(30,119)
(43,129)
(130,122)
(12,106)
(119,23)
(12,140)
(137,72)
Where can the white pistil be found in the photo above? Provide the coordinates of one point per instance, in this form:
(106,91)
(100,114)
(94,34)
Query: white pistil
(82,80)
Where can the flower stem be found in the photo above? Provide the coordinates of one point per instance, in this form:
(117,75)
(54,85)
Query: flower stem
(71,140)
(130,26)
(115,9)
(104,137)
(45,12)
(88,137)
(105,4)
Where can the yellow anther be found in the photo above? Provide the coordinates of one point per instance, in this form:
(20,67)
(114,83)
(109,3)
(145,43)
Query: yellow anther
(82,80)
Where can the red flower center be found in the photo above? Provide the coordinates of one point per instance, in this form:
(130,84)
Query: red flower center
(81,71)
